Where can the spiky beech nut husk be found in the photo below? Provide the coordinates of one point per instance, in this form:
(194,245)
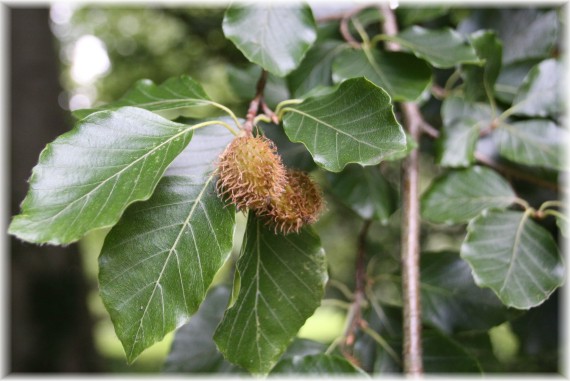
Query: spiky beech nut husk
(250,172)
(300,204)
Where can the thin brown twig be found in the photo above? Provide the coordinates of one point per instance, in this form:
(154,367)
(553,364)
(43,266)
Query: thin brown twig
(354,313)
(414,123)
(344,25)
(389,27)
(267,111)
(438,92)
(253,108)
(428,129)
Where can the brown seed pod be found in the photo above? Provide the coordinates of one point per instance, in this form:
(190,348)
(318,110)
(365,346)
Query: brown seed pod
(250,172)
(300,204)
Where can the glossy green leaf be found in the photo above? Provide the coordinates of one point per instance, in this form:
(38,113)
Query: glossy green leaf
(316,68)
(460,195)
(354,124)
(244,82)
(303,347)
(442,354)
(525,33)
(365,18)
(456,143)
(455,108)
(365,191)
(443,48)
(511,78)
(294,155)
(87,177)
(462,122)
(403,76)
(320,364)
(480,81)
(157,263)
(451,301)
(541,94)
(514,256)
(170,99)
(193,349)
(276,37)
(411,145)
(562,223)
(536,142)
(408,15)
(282,283)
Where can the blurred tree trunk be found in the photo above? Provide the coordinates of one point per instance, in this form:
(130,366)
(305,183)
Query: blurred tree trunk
(50,326)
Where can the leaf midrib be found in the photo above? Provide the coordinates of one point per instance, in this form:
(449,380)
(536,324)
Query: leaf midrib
(184,131)
(172,249)
(331,127)
(514,251)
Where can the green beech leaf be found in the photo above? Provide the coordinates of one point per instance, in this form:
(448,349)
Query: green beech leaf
(511,78)
(442,48)
(451,301)
(541,92)
(368,17)
(442,354)
(282,283)
(303,347)
(403,76)
(526,33)
(353,124)
(177,93)
(365,191)
(514,256)
(480,81)
(562,223)
(87,177)
(536,142)
(456,143)
(319,364)
(411,145)
(454,108)
(294,155)
(159,260)
(415,14)
(462,122)
(193,349)
(316,68)
(244,81)
(276,37)
(460,195)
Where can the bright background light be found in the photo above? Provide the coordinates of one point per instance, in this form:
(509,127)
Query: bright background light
(89,60)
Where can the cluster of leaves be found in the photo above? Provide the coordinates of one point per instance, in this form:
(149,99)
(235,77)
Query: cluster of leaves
(145,166)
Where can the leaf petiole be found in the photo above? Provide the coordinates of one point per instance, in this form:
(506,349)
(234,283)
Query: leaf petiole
(212,123)
(280,110)
(227,110)
(383,343)
(549,204)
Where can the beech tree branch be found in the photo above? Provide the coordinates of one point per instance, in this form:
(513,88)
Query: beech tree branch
(414,123)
